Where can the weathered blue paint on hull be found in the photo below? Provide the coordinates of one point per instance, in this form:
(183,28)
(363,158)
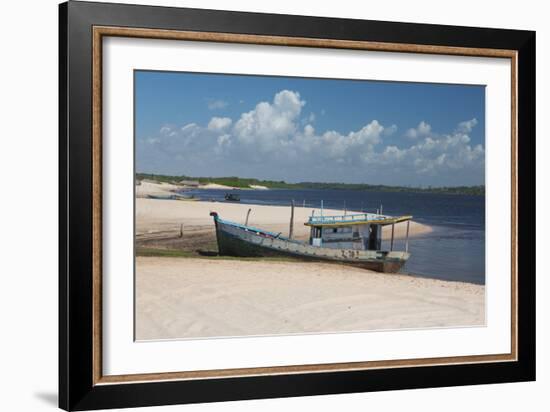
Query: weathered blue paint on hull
(249,243)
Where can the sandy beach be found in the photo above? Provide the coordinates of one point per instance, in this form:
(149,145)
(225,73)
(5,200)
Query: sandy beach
(191,298)
(148,187)
(184,290)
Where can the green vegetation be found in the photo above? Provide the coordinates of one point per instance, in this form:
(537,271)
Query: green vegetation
(177,253)
(154,252)
(273,184)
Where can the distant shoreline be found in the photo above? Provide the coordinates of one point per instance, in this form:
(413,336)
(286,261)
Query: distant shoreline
(230,183)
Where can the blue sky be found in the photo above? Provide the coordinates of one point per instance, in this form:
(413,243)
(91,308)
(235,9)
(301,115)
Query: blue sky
(299,129)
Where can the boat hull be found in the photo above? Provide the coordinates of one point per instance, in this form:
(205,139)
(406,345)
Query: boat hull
(236,240)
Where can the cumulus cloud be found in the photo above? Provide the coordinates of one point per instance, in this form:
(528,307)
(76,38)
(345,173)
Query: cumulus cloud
(423,129)
(217,104)
(466,126)
(269,125)
(271,141)
(219,123)
(388,131)
(446,153)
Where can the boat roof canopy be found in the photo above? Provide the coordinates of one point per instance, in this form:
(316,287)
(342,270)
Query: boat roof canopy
(355,219)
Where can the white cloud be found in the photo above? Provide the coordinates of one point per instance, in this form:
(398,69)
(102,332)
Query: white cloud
(388,131)
(309,130)
(269,124)
(189,126)
(270,141)
(467,126)
(346,148)
(423,129)
(217,104)
(437,154)
(219,123)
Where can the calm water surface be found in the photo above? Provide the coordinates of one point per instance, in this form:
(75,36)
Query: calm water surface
(455,250)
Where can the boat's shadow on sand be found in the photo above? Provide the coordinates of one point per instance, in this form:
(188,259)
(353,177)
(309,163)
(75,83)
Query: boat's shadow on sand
(209,253)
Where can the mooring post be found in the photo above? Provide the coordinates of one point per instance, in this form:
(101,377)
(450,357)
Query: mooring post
(407,237)
(345,210)
(381,209)
(392,230)
(247,214)
(291,230)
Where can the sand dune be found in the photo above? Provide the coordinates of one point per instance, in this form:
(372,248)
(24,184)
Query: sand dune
(184,298)
(147,188)
(216,186)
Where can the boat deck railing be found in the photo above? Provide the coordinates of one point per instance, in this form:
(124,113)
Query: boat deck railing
(355,219)
(351,218)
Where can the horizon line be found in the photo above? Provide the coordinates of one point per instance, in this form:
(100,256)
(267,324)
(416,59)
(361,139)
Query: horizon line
(306,182)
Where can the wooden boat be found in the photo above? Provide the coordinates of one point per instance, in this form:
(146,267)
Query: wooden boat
(161,197)
(174,196)
(187,198)
(353,239)
(231,197)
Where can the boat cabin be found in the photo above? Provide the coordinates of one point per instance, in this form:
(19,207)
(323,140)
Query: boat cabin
(359,231)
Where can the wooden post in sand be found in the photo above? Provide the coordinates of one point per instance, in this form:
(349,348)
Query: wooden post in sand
(291,230)
(392,230)
(407,237)
(181,230)
(247,214)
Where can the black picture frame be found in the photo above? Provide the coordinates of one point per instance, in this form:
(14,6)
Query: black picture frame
(77,390)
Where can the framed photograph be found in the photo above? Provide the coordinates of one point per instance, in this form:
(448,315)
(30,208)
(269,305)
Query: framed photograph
(257,205)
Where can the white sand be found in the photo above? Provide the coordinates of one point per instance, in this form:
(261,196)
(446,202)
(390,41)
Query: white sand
(215,186)
(149,188)
(164,215)
(224,187)
(183,298)
(201,297)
